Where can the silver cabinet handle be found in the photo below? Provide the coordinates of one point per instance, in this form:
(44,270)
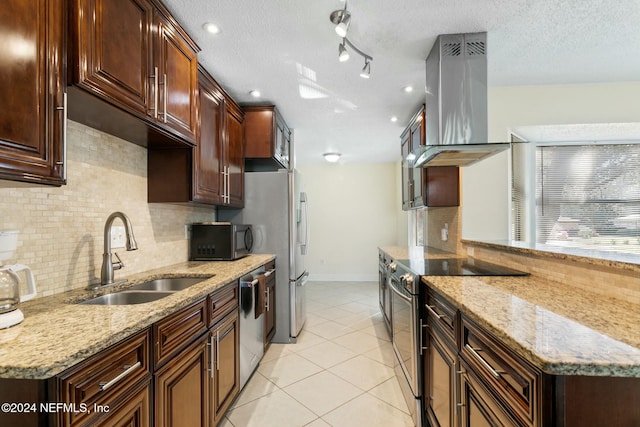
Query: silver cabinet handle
(269,273)
(211,355)
(155,92)
(483,362)
(166,92)
(432,311)
(63,162)
(127,370)
(218,350)
(266,301)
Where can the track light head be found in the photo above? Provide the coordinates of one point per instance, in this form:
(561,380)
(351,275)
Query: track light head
(342,20)
(343,54)
(366,70)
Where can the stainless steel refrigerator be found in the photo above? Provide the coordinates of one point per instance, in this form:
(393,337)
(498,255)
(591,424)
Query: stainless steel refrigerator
(276,207)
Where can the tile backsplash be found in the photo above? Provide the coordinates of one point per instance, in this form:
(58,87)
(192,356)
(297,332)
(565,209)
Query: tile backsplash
(61,228)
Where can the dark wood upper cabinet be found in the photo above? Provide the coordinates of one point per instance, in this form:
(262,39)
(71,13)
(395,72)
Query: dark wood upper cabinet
(426,187)
(268,138)
(234,154)
(32,72)
(208,153)
(177,76)
(212,172)
(130,60)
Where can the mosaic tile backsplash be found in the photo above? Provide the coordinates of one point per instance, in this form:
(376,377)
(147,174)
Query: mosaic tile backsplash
(61,228)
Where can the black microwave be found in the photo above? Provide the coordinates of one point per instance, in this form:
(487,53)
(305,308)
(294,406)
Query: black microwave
(219,241)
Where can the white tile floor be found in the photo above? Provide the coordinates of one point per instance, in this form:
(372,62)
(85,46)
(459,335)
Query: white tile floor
(339,373)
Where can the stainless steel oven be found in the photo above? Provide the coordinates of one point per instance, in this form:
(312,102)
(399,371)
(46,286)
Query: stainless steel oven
(406,336)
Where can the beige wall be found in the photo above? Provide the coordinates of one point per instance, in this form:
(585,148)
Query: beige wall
(61,228)
(353,210)
(485,189)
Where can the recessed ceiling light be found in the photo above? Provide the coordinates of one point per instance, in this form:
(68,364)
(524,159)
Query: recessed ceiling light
(394,119)
(211,28)
(255,93)
(408,89)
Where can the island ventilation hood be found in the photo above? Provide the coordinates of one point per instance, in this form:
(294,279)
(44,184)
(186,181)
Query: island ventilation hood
(456,104)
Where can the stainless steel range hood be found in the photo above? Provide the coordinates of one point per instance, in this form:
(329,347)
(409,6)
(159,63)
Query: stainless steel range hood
(456,104)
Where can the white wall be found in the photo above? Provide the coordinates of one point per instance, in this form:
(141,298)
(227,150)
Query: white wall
(485,186)
(353,209)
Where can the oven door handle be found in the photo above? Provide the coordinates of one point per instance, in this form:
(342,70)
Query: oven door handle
(397,292)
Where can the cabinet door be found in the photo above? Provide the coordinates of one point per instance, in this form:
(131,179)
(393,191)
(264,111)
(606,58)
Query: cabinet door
(283,138)
(225,372)
(270,310)
(32,91)
(113,51)
(440,385)
(418,138)
(135,411)
(181,388)
(235,158)
(478,408)
(208,158)
(407,172)
(177,80)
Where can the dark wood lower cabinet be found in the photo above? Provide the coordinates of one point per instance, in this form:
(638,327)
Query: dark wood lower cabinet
(473,379)
(133,412)
(478,408)
(270,306)
(225,366)
(440,371)
(181,388)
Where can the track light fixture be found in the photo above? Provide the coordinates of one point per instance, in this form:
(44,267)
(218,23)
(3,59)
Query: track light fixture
(342,20)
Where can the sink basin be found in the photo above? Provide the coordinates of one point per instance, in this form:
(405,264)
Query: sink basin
(169,284)
(126,298)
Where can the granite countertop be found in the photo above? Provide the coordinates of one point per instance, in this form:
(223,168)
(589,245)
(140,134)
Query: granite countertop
(560,329)
(404,252)
(57,333)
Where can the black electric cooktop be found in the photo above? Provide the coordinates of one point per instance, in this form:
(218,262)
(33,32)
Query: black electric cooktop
(458,267)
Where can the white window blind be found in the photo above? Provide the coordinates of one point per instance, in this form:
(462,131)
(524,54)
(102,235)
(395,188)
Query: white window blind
(588,196)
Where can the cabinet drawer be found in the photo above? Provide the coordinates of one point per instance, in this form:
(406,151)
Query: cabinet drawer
(105,378)
(178,330)
(511,379)
(442,313)
(222,302)
(478,406)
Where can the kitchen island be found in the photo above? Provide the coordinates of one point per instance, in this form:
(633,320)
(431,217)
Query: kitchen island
(529,350)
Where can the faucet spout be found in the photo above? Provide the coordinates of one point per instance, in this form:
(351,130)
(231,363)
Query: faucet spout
(108,266)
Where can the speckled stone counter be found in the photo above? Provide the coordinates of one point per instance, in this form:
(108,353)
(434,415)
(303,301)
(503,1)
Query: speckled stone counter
(558,328)
(404,252)
(57,333)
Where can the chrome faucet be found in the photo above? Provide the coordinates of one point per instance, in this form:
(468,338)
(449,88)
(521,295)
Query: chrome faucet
(108,266)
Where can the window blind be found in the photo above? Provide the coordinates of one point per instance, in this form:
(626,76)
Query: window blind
(589,195)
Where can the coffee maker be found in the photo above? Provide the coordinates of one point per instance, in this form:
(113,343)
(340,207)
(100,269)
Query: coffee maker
(10,296)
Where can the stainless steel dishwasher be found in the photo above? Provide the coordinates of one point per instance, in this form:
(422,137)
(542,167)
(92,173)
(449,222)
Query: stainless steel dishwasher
(251,324)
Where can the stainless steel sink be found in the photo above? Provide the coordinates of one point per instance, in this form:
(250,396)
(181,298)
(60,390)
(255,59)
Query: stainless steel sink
(168,284)
(126,298)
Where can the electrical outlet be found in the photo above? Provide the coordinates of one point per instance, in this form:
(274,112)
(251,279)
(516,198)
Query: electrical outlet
(118,237)
(187,231)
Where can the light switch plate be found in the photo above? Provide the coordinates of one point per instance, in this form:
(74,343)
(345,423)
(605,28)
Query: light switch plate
(118,237)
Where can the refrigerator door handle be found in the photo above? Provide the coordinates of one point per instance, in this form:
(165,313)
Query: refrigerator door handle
(303,279)
(304,202)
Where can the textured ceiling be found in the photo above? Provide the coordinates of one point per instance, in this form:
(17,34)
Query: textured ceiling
(288,50)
